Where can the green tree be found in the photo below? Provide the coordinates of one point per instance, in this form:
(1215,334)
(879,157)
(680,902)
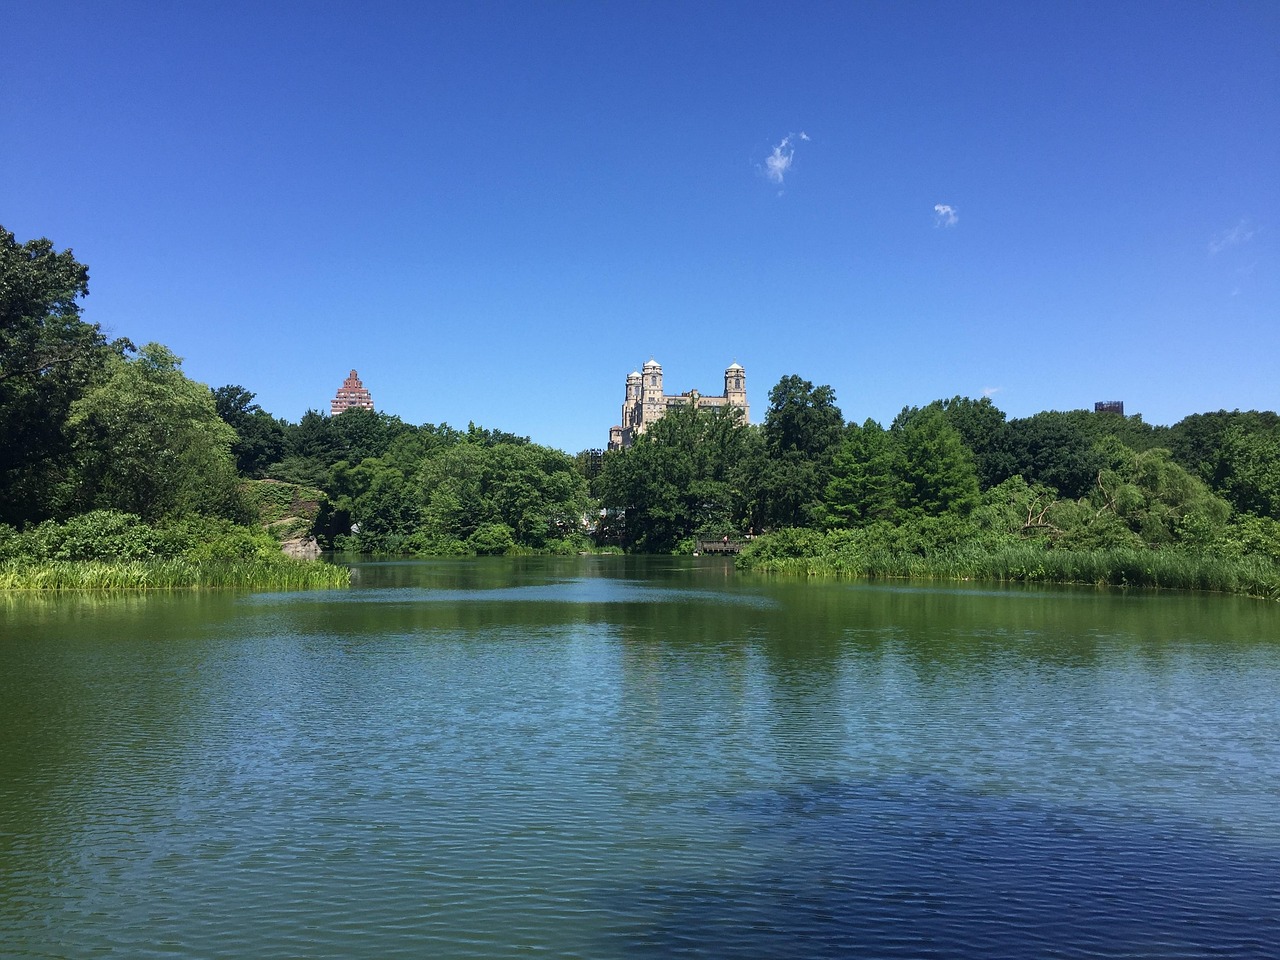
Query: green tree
(148,441)
(685,475)
(1246,470)
(867,478)
(937,469)
(535,492)
(48,357)
(984,430)
(919,468)
(802,429)
(1155,498)
(1237,453)
(802,419)
(1055,449)
(259,436)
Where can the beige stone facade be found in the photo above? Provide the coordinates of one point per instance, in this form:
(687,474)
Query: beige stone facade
(351,394)
(646,402)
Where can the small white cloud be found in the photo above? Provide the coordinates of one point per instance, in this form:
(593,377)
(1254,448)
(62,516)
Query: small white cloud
(991,391)
(945,215)
(778,163)
(1240,233)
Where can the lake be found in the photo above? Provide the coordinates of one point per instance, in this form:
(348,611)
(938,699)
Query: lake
(609,757)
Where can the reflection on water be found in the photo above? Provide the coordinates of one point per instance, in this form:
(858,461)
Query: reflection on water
(615,757)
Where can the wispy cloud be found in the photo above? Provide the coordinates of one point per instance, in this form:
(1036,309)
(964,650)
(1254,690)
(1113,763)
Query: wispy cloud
(778,163)
(1240,233)
(945,215)
(991,391)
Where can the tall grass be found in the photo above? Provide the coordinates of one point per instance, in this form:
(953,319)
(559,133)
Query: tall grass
(1168,569)
(282,574)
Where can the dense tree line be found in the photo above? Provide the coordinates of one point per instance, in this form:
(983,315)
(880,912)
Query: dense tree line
(955,470)
(102,435)
(91,426)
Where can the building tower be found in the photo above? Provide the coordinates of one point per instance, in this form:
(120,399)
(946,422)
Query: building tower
(735,389)
(647,401)
(654,404)
(352,394)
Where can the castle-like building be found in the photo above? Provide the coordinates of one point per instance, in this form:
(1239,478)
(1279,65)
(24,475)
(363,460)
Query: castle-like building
(352,394)
(646,403)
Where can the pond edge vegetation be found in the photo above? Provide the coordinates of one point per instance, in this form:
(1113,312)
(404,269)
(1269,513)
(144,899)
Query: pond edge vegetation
(1249,576)
(118,472)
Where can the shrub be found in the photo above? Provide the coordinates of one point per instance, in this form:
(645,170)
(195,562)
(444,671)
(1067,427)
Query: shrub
(98,535)
(490,539)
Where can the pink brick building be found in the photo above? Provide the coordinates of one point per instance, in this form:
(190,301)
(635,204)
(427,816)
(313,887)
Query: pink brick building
(352,394)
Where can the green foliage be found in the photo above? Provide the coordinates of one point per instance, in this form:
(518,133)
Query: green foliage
(789,543)
(149,441)
(802,418)
(687,473)
(938,472)
(802,429)
(1251,536)
(982,427)
(858,554)
(217,540)
(275,501)
(1245,469)
(1157,500)
(1196,441)
(492,539)
(1015,510)
(111,536)
(280,573)
(867,478)
(535,492)
(98,535)
(1054,449)
(918,468)
(48,357)
(259,436)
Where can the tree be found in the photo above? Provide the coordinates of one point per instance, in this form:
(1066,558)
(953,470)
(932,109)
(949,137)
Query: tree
(982,427)
(1155,498)
(1237,453)
(1054,449)
(802,418)
(866,482)
(259,436)
(535,492)
(1245,469)
(937,469)
(918,468)
(48,357)
(686,474)
(147,440)
(801,431)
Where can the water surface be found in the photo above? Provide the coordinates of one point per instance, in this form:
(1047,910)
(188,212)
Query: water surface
(623,757)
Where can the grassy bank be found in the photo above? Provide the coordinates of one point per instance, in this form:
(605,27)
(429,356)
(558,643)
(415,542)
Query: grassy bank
(281,574)
(1167,569)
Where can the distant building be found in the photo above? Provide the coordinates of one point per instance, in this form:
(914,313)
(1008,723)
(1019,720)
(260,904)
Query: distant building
(351,395)
(1109,406)
(646,403)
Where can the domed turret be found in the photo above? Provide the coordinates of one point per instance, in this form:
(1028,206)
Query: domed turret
(735,389)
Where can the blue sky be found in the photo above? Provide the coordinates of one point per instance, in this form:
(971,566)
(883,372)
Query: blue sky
(495,211)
